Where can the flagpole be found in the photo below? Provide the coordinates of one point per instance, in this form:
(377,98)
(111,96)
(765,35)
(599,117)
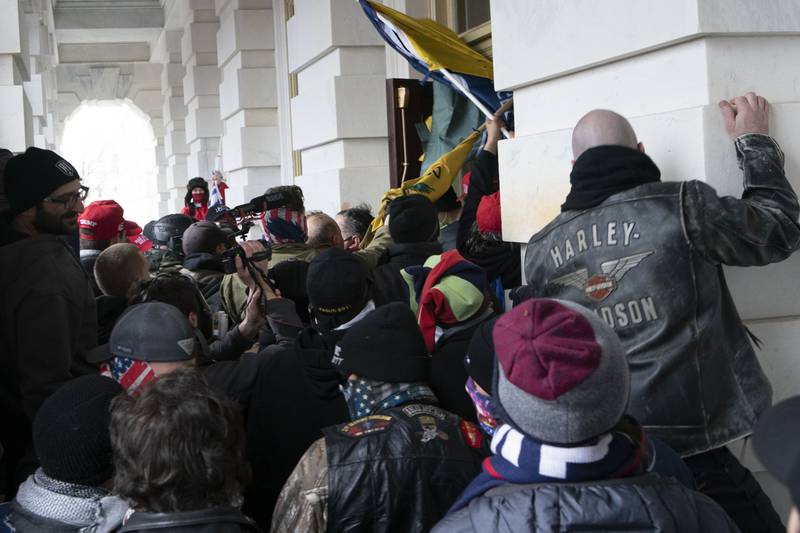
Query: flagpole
(485,110)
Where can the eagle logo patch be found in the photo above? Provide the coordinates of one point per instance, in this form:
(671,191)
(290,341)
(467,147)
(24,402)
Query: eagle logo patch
(600,286)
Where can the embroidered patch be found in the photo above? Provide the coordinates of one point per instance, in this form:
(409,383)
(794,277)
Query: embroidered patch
(600,286)
(471,433)
(65,168)
(424,409)
(366,425)
(430,430)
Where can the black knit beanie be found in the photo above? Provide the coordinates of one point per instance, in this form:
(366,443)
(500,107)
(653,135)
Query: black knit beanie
(31,177)
(290,278)
(386,345)
(480,359)
(337,285)
(413,218)
(70,431)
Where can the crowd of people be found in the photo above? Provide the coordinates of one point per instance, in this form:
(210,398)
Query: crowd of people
(185,376)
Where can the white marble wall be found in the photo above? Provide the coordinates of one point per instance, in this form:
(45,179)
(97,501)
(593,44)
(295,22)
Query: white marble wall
(16,131)
(41,89)
(665,66)
(339,115)
(201,87)
(176,150)
(251,157)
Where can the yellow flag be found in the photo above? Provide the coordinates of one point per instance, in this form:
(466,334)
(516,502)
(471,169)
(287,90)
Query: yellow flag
(432,184)
(437,45)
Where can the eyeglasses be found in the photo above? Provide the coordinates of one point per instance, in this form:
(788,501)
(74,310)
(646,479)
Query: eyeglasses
(69,198)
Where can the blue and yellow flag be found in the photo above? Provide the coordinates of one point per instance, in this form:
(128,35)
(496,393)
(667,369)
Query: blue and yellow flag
(430,48)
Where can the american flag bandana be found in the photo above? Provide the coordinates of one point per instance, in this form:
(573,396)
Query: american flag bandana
(285,225)
(131,374)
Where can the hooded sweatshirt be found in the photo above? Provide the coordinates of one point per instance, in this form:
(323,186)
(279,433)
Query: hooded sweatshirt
(296,395)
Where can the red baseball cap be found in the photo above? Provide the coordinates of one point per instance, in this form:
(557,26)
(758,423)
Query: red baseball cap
(141,241)
(134,234)
(132,228)
(103,219)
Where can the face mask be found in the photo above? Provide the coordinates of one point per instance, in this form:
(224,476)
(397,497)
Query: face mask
(198,197)
(484,407)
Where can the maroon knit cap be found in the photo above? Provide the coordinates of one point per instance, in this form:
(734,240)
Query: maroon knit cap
(562,374)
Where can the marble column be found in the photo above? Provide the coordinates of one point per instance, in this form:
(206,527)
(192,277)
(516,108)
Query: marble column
(201,87)
(16,119)
(339,112)
(664,66)
(248,101)
(176,151)
(41,89)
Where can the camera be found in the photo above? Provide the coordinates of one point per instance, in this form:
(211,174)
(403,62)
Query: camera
(229,257)
(262,204)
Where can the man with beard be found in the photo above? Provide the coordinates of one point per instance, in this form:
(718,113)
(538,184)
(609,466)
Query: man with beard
(48,319)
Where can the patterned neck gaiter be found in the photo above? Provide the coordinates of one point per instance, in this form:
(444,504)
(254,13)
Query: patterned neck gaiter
(484,407)
(365,396)
(131,374)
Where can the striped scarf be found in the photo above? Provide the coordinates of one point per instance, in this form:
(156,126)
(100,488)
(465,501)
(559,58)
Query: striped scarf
(519,459)
(284,225)
(446,290)
(131,374)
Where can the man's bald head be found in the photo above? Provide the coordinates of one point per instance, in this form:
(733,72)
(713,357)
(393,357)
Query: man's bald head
(601,127)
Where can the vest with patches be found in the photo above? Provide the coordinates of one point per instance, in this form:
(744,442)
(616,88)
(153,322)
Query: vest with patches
(695,381)
(400,469)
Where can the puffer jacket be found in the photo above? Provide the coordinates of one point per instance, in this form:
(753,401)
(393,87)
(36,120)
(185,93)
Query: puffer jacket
(645,503)
(649,261)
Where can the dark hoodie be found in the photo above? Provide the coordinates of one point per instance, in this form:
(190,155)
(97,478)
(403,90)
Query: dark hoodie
(295,396)
(388,284)
(48,322)
(207,271)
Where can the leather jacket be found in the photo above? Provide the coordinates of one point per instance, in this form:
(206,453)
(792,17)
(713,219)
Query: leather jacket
(649,261)
(644,503)
(216,520)
(399,470)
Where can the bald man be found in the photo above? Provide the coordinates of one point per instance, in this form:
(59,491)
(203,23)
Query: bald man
(646,256)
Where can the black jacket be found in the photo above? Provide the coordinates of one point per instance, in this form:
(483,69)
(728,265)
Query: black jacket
(296,395)
(219,520)
(400,469)
(387,283)
(48,322)
(206,270)
(448,375)
(87,262)
(649,261)
(109,309)
(647,503)
(498,258)
(484,180)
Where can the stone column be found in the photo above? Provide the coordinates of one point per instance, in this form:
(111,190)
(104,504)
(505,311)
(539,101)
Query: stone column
(41,90)
(16,120)
(201,87)
(339,112)
(248,102)
(176,151)
(664,66)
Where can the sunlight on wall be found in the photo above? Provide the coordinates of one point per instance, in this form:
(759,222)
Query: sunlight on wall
(112,145)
